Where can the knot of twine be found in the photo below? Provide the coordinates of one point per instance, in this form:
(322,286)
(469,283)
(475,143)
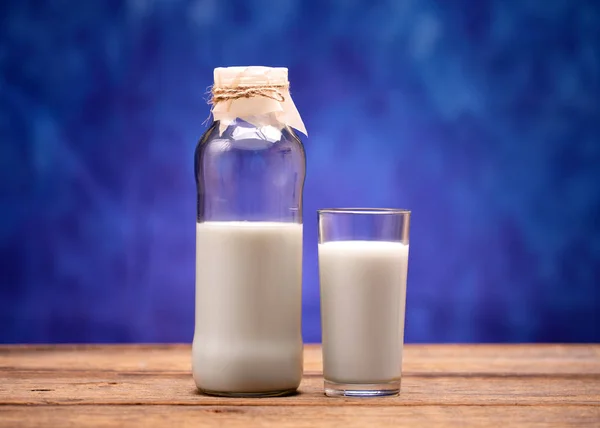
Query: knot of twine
(274,92)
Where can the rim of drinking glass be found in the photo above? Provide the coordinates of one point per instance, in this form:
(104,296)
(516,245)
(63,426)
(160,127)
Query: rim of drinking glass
(371,211)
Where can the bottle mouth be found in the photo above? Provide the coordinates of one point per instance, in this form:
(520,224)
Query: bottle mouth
(366,211)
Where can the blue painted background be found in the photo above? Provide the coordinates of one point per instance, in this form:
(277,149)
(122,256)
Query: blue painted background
(483,117)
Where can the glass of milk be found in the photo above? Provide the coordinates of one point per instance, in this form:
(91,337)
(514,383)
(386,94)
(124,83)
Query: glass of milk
(363,258)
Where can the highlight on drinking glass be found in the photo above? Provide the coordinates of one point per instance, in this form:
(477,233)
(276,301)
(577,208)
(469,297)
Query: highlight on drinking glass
(363,264)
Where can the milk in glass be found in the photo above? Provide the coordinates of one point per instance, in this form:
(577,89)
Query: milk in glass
(363,293)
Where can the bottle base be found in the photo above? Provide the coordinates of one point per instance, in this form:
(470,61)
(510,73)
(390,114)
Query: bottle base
(266,394)
(334,389)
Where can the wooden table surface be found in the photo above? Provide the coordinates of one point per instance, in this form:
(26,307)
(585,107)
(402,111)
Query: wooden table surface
(443,385)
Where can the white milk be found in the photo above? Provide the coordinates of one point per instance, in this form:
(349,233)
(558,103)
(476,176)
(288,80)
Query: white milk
(363,294)
(248,336)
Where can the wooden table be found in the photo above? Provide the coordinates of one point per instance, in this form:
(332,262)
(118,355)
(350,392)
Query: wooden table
(443,385)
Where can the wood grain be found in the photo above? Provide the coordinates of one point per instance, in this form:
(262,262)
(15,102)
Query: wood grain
(151,385)
(298,416)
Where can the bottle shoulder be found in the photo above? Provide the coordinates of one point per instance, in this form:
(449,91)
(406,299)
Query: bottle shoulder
(241,135)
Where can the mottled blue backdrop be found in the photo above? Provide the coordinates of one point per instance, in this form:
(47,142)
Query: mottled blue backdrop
(481,116)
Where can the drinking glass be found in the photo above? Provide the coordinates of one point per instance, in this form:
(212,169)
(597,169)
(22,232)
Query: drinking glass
(363,260)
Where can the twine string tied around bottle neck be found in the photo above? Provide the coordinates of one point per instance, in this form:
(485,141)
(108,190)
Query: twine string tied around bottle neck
(273,92)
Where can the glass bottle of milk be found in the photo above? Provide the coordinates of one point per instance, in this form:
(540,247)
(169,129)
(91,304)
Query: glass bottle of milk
(250,167)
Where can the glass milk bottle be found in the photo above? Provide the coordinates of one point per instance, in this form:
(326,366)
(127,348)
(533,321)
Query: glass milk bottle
(250,169)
